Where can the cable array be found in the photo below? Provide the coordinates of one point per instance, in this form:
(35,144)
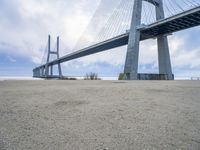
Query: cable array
(45,54)
(113,21)
(43,61)
(119,19)
(171,8)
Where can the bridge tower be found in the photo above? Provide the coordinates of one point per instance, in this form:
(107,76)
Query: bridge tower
(47,66)
(132,57)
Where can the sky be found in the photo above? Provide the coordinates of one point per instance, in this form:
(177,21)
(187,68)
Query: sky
(25,25)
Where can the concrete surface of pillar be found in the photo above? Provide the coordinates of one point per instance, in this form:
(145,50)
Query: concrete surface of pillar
(59,66)
(131,63)
(48,57)
(49,67)
(163,48)
(51,70)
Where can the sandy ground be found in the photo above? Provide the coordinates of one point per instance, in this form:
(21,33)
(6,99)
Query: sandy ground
(99,115)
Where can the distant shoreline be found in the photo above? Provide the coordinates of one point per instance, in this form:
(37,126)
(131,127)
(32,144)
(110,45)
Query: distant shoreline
(2,78)
(31,78)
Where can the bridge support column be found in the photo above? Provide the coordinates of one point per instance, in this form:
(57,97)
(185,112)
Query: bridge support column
(163,48)
(43,72)
(51,70)
(48,57)
(164,57)
(49,67)
(131,64)
(59,66)
(132,56)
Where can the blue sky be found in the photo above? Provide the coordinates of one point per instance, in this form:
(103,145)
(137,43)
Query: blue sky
(25,25)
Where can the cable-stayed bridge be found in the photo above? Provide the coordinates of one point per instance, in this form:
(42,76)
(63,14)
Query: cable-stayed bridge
(135,14)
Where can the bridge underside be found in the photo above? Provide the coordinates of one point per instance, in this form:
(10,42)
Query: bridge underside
(182,21)
(188,19)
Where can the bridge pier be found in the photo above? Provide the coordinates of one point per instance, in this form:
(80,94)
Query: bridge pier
(132,56)
(46,71)
(51,70)
(164,57)
(164,61)
(43,71)
(131,63)
(49,67)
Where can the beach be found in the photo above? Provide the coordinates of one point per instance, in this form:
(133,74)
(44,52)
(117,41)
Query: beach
(99,115)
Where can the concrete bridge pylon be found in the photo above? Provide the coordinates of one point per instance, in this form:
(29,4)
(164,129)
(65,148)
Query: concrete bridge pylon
(49,68)
(132,56)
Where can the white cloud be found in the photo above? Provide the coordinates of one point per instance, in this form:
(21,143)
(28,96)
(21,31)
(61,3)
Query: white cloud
(27,27)
(183,54)
(11,59)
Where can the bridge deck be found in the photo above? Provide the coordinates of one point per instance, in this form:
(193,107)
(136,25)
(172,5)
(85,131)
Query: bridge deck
(184,20)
